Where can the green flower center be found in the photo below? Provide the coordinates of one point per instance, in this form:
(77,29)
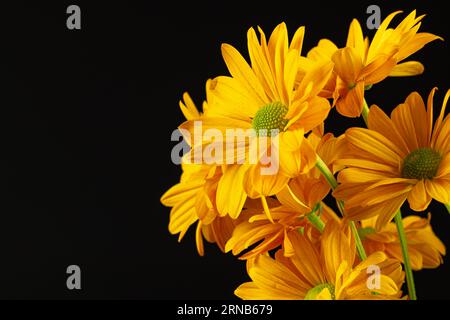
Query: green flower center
(364,232)
(312,293)
(270,117)
(422,163)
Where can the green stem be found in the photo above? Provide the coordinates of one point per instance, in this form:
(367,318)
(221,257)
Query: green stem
(406,261)
(448,207)
(359,245)
(315,219)
(365,113)
(323,168)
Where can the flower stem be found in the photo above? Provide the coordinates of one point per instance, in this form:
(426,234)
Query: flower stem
(325,171)
(406,261)
(448,207)
(323,168)
(365,113)
(359,245)
(315,219)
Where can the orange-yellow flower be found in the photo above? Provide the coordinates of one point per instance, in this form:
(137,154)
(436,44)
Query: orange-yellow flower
(263,96)
(424,247)
(361,64)
(322,271)
(397,158)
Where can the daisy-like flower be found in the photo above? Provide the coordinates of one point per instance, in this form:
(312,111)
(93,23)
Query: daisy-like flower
(424,247)
(400,158)
(362,64)
(262,235)
(265,96)
(323,271)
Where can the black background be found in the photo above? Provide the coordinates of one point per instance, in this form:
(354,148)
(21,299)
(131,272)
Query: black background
(87,117)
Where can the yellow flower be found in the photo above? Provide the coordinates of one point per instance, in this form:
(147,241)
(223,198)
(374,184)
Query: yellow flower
(265,96)
(322,271)
(424,247)
(256,228)
(362,64)
(397,158)
(261,235)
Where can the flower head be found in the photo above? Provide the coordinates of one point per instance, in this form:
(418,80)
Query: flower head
(264,96)
(323,271)
(398,158)
(363,63)
(425,248)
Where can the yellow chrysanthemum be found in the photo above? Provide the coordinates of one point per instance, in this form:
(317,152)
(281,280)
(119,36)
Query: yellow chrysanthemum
(397,158)
(362,64)
(260,235)
(257,232)
(264,96)
(321,271)
(424,247)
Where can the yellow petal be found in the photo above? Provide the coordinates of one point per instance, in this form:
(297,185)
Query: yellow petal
(182,216)
(417,42)
(315,114)
(381,123)
(297,40)
(351,104)
(306,259)
(323,51)
(389,210)
(231,99)
(335,248)
(378,69)
(290,73)
(260,64)
(440,119)
(318,76)
(257,184)
(379,35)
(275,278)
(348,64)
(406,69)
(230,197)
(199,239)
(375,144)
(288,198)
(362,163)
(355,37)
(418,115)
(188,108)
(439,189)
(241,71)
(181,192)
(418,197)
